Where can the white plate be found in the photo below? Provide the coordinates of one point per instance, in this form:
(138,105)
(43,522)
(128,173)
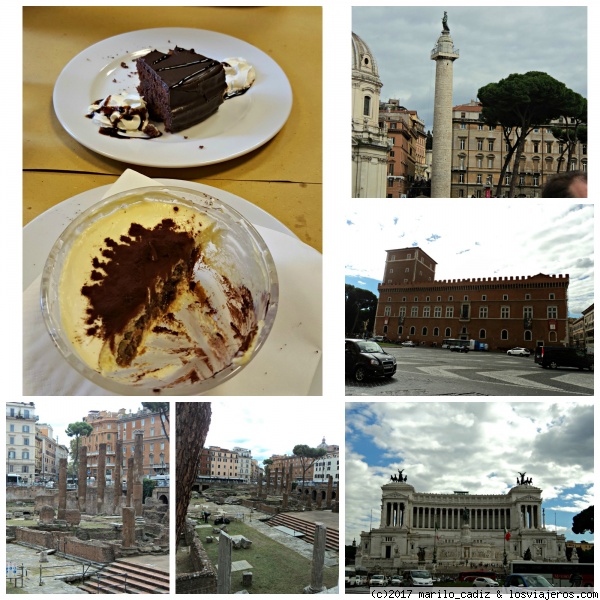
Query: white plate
(40,234)
(242,123)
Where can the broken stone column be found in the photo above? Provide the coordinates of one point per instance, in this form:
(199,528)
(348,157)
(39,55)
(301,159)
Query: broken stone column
(101,482)
(128,533)
(318,561)
(290,479)
(118,491)
(129,497)
(260,485)
(329,490)
(284,504)
(224,564)
(82,479)
(276,480)
(138,469)
(319,498)
(47,515)
(62,487)
(268,478)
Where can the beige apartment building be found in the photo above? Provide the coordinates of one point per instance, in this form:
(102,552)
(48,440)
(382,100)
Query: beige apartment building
(479,151)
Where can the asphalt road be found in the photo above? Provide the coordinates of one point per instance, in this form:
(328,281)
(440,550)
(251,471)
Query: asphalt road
(440,372)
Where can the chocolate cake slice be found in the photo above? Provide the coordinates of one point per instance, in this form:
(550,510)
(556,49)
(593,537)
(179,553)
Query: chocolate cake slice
(181,88)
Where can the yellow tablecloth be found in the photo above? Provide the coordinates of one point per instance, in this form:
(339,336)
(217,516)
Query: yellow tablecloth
(283,177)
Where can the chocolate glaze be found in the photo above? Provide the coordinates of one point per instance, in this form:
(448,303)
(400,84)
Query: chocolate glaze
(181,87)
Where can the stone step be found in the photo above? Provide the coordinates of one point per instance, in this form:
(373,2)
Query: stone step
(307,528)
(139,579)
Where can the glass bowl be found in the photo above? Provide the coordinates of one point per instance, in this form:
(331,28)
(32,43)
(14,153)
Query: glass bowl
(191,340)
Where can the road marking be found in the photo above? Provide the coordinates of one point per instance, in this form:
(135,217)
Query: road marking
(576,379)
(516,378)
(444,372)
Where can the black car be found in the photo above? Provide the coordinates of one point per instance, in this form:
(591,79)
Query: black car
(459,349)
(366,359)
(559,356)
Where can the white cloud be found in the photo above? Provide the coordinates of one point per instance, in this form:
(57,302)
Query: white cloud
(475,447)
(503,238)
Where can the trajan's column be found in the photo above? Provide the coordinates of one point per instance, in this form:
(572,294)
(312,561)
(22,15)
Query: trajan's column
(444,55)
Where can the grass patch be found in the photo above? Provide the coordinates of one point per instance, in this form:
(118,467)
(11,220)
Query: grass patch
(21,522)
(276,568)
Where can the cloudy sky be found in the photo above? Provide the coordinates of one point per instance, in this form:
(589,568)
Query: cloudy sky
(493,43)
(476,239)
(266,429)
(475,447)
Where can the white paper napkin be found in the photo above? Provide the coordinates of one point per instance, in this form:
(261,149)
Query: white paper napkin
(288,364)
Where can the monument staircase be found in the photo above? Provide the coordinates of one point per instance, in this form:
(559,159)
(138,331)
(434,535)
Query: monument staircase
(122,577)
(332,541)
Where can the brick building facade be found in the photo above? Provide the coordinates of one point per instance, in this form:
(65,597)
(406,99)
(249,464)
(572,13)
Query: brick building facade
(502,312)
(108,427)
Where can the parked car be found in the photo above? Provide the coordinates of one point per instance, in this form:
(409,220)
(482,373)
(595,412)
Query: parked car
(377,580)
(377,338)
(518,352)
(396,580)
(361,580)
(484,582)
(459,349)
(50,485)
(417,578)
(557,356)
(366,359)
(526,580)
(408,344)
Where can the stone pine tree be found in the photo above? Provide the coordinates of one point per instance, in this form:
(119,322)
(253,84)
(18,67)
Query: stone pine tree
(78,430)
(307,456)
(573,129)
(518,103)
(163,409)
(584,521)
(192,420)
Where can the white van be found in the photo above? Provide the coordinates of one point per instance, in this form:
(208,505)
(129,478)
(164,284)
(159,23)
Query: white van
(417,578)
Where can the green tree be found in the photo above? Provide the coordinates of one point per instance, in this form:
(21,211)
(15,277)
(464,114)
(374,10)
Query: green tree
(361,306)
(148,486)
(307,456)
(584,521)
(163,409)
(78,430)
(573,131)
(518,103)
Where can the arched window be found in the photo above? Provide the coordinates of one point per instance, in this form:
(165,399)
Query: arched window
(367,106)
(436,331)
(528,337)
(385,329)
(504,334)
(412,331)
(448,332)
(482,334)
(424,331)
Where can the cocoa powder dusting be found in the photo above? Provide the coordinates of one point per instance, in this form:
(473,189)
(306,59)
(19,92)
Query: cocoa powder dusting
(127,279)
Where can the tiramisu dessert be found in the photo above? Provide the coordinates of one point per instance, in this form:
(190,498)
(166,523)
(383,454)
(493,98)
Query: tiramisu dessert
(181,87)
(147,297)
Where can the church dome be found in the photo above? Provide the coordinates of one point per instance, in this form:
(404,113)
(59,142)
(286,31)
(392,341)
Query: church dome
(362,57)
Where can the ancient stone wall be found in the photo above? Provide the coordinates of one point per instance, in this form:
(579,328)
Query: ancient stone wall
(204,578)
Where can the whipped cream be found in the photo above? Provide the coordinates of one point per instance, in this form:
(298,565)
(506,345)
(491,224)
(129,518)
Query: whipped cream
(123,115)
(239,76)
